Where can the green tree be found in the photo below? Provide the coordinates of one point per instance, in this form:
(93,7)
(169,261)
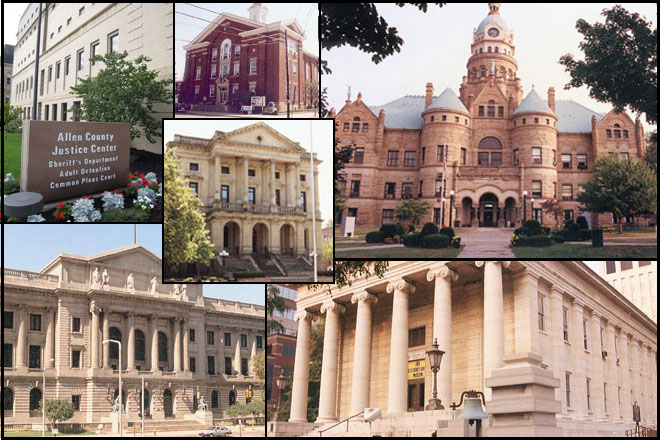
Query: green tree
(312,90)
(620,62)
(343,155)
(274,303)
(186,240)
(554,208)
(622,187)
(328,253)
(324,111)
(359,25)
(124,91)
(651,156)
(57,411)
(259,367)
(412,210)
(11,118)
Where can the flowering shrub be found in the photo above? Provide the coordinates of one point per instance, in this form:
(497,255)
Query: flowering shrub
(112,200)
(83,210)
(151,177)
(138,181)
(38,218)
(388,240)
(62,212)
(456,242)
(147,194)
(515,240)
(396,239)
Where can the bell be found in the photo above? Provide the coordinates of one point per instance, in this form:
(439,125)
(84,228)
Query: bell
(472,409)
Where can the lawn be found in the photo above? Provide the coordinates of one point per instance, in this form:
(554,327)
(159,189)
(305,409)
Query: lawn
(48,433)
(402,252)
(580,251)
(12,154)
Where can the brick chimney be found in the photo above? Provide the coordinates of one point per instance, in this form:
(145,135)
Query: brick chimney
(380,129)
(359,98)
(551,98)
(639,138)
(594,135)
(332,113)
(429,95)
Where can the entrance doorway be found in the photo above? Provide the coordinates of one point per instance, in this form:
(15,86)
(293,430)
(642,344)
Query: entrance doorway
(415,395)
(286,240)
(167,403)
(231,238)
(260,239)
(488,211)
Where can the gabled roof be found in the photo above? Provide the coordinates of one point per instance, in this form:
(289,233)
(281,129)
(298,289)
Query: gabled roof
(448,100)
(573,117)
(533,103)
(101,255)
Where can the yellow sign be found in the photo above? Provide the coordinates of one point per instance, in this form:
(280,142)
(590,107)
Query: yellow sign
(416,369)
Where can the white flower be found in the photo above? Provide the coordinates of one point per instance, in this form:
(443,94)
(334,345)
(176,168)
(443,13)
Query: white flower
(112,200)
(151,177)
(36,218)
(147,194)
(83,211)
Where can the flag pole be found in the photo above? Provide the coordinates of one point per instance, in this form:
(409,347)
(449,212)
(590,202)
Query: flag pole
(311,144)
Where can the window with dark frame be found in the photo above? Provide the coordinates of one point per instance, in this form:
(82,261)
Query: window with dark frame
(75,358)
(75,400)
(541,307)
(35,323)
(228,366)
(392,158)
(210,337)
(416,337)
(7,319)
(565,322)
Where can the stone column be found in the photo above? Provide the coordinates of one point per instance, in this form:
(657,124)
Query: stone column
(612,368)
(177,344)
(253,352)
(94,331)
(328,391)
(218,171)
(634,370)
(272,183)
(644,370)
(443,276)
(526,306)
(296,180)
(49,355)
(493,318)
(22,336)
(553,310)
(154,343)
(626,403)
(245,179)
(290,199)
(106,336)
(237,354)
(578,378)
(598,406)
(130,358)
(202,362)
(220,355)
(398,380)
(186,337)
(362,351)
(301,366)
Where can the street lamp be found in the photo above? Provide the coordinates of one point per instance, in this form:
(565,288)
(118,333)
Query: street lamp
(281,383)
(451,207)
(524,206)
(223,253)
(435,357)
(473,409)
(43,401)
(532,206)
(120,393)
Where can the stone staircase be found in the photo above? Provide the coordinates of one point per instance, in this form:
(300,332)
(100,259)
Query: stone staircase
(233,264)
(160,426)
(267,266)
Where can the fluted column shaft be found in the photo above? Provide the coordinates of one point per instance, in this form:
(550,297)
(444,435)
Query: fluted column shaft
(218,171)
(253,352)
(362,351)
(130,358)
(49,357)
(186,337)
(443,276)
(626,403)
(301,367)
(272,182)
(22,337)
(553,313)
(237,354)
(611,368)
(578,380)
(493,318)
(328,391)
(597,368)
(398,380)
(94,330)
(106,336)
(245,180)
(154,343)
(177,344)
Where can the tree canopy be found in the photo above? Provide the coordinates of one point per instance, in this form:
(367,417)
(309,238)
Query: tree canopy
(620,62)
(274,303)
(412,210)
(58,411)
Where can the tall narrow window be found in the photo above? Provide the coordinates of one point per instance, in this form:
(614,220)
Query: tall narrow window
(565,318)
(584,330)
(568,389)
(588,394)
(541,312)
(392,158)
(605,396)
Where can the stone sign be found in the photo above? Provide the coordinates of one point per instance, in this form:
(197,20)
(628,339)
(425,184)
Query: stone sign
(62,160)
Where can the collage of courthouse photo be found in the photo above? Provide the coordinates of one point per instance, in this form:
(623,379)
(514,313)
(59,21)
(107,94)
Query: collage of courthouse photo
(329,219)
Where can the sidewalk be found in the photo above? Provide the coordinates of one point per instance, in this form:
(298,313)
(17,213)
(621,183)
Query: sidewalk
(484,243)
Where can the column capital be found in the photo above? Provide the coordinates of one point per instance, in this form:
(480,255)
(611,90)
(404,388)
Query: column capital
(402,285)
(305,315)
(578,305)
(364,296)
(442,271)
(331,305)
(505,264)
(555,291)
(94,308)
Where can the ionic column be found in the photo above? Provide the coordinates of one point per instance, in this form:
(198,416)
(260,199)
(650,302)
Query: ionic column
(272,182)
(154,343)
(598,406)
(106,336)
(362,351)
(253,352)
(328,391)
(237,354)
(443,277)
(290,199)
(49,357)
(22,336)
(177,344)
(245,180)
(398,381)
(301,367)
(296,179)
(578,379)
(493,318)
(130,357)
(553,309)
(94,330)
(186,336)
(611,366)
(626,403)
(218,171)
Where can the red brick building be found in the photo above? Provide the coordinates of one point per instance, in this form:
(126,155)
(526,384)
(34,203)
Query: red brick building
(235,55)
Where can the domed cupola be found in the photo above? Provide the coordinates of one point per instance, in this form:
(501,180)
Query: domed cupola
(494,24)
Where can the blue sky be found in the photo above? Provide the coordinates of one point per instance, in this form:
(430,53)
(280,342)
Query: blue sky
(32,247)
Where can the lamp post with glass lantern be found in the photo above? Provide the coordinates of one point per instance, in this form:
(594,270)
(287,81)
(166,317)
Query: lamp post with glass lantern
(524,206)
(532,206)
(451,207)
(435,357)
(107,341)
(281,383)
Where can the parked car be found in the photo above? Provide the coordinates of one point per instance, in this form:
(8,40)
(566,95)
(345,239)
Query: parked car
(216,431)
(182,108)
(270,109)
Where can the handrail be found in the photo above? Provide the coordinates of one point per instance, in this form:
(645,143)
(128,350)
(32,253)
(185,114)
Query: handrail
(339,423)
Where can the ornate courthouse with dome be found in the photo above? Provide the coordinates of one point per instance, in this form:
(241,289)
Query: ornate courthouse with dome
(186,347)
(501,148)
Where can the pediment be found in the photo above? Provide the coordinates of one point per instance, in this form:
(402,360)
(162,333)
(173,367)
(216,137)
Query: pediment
(134,257)
(263,135)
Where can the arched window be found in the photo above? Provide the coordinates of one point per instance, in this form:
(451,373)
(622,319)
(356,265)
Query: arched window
(139,345)
(115,335)
(474,73)
(490,142)
(357,118)
(510,74)
(214,399)
(483,71)
(491,109)
(225,49)
(8,399)
(162,347)
(232,397)
(616,126)
(497,49)
(35,398)
(489,49)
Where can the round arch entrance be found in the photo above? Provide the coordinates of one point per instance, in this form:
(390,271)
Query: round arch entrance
(167,403)
(260,239)
(488,210)
(467,212)
(231,238)
(510,212)
(286,240)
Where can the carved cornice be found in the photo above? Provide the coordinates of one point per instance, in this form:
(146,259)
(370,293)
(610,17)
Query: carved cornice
(364,296)
(402,285)
(330,306)
(443,271)
(504,264)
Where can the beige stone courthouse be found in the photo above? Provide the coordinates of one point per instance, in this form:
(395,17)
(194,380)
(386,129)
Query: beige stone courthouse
(556,350)
(185,346)
(255,185)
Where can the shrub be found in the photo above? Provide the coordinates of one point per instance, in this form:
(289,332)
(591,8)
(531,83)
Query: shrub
(572,231)
(428,229)
(388,240)
(545,230)
(436,241)
(456,242)
(567,223)
(130,215)
(517,240)
(375,237)
(83,211)
(12,186)
(412,240)
(585,234)
(582,222)
(112,200)
(537,241)
(558,238)
(411,228)
(391,229)
(521,232)
(533,226)
(448,231)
